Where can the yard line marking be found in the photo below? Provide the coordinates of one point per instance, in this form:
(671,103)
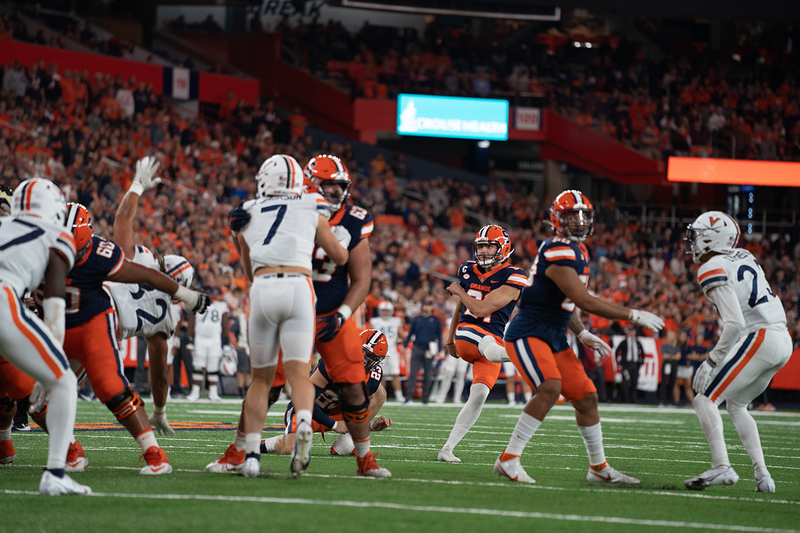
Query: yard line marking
(429,509)
(611,420)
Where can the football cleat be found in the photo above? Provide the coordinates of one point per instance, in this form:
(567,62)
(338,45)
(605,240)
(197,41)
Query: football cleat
(76,459)
(301,455)
(369,468)
(193,397)
(446,455)
(157,462)
(512,468)
(160,424)
(609,475)
(8,453)
(343,445)
(53,485)
(214,397)
(723,475)
(231,461)
(252,467)
(765,484)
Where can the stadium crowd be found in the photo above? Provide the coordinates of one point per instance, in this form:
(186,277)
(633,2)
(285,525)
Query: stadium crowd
(81,136)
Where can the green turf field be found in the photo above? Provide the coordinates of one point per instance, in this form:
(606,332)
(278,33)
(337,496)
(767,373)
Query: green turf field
(662,447)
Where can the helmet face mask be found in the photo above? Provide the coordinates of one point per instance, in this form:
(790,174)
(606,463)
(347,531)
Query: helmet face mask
(572,216)
(495,236)
(374,347)
(324,171)
(5,200)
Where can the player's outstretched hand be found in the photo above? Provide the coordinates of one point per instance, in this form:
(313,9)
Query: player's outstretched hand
(38,398)
(239,219)
(196,302)
(597,344)
(330,326)
(380,423)
(647,320)
(702,377)
(146,170)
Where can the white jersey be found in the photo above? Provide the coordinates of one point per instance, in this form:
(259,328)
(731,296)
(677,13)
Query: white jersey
(208,325)
(389,327)
(142,310)
(282,229)
(25,243)
(741,271)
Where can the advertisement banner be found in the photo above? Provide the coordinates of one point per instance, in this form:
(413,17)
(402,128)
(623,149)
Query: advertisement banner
(448,117)
(528,118)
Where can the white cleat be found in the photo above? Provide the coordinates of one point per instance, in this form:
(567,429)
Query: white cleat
(609,475)
(252,467)
(765,484)
(193,398)
(214,397)
(446,455)
(55,486)
(512,469)
(301,455)
(724,475)
(343,445)
(160,424)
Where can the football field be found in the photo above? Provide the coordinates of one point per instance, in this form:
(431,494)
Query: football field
(662,447)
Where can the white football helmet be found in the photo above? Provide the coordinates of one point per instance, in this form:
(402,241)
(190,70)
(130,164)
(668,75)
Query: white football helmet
(386,309)
(280,175)
(713,231)
(40,198)
(178,268)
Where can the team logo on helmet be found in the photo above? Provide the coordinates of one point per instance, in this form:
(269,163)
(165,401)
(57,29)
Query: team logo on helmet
(79,222)
(572,215)
(330,169)
(496,235)
(713,231)
(375,348)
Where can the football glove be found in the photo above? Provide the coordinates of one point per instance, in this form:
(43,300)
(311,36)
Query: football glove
(601,348)
(331,324)
(342,235)
(702,377)
(196,302)
(38,398)
(146,169)
(239,219)
(647,320)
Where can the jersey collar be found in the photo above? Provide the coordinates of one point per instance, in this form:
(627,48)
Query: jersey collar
(335,219)
(485,275)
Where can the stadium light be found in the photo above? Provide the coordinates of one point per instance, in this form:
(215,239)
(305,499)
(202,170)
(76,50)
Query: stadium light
(733,171)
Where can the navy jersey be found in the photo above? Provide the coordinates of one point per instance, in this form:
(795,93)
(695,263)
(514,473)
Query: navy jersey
(328,397)
(479,284)
(542,302)
(331,281)
(85,295)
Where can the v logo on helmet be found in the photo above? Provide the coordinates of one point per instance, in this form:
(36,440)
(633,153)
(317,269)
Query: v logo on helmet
(713,220)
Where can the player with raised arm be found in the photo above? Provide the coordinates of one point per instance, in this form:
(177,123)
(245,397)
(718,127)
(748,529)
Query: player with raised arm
(753,346)
(91,337)
(536,338)
(35,249)
(275,234)
(487,290)
(392,327)
(328,412)
(141,309)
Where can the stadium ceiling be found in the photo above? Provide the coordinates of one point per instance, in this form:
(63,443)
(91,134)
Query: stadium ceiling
(542,9)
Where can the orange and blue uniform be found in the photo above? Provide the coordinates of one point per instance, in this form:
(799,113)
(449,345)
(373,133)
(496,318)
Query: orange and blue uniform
(471,329)
(536,338)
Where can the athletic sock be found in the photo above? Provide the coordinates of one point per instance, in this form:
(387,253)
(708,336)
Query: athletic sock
(511,397)
(362,447)
(195,390)
(268,445)
(748,432)
(159,411)
(252,443)
(5,433)
(527,396)
(240,441)
(58,472)
(711,421)
(146,440)
(593,439)
(303,415)
(469,414)
(523,431)
(399,396)
(212,391)
(60,419)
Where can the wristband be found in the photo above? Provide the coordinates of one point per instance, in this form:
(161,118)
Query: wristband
(136,188)
(370,425)
(345,311)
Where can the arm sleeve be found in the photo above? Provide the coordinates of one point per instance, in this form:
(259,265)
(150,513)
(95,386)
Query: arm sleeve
(727,305)
(320,416)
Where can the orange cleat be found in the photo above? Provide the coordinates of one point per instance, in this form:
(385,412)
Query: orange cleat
(368,467)
(76,459)
(7,452)
(157,462)
(231,461)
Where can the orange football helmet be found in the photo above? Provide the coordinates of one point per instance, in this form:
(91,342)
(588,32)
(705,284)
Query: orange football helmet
(330,169)
(79,222)
(375,348)
(572,215)
(496,235)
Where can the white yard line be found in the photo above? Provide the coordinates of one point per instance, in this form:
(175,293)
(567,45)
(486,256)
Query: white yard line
(431,509)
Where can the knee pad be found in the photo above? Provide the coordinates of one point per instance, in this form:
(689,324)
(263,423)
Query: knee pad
(356,413)
(7,404)
(124,404)
(213,378)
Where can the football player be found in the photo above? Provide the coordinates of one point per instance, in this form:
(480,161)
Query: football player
(392,327)
(34,249)
(275,234)
(5,201)
(753,345)
(536,338)
(211,337)
(144,307)
(91,338)
(487,290)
